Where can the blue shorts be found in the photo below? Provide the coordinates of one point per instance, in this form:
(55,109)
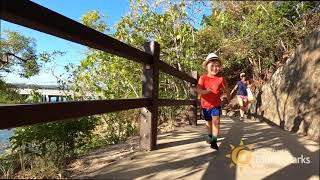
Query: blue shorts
(209,113)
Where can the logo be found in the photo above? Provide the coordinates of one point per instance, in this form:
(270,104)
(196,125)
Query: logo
(241,155)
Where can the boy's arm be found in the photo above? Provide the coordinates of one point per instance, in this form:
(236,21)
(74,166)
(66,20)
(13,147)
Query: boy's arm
(202,91)
(201,88)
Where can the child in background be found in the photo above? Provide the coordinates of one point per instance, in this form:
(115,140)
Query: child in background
(242,94)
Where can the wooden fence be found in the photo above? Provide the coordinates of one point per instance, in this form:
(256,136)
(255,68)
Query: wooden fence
(34,16)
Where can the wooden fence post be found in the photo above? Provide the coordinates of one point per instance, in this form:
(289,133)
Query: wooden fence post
(150,86)
(192,114)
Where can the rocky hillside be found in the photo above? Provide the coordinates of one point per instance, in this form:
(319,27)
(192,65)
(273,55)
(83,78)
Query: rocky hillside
(291,99)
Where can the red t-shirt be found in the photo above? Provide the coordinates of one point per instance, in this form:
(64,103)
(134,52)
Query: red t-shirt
(215,83)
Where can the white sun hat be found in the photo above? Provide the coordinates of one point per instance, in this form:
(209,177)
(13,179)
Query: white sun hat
(210,57)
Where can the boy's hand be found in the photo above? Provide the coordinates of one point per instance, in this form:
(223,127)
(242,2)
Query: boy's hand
(206,91)
(209,89)
(203,91)
(224,99)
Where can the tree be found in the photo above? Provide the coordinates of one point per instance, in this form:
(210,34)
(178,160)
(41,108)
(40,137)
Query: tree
(18,55)
(18,50)
(256,37)
(8,95)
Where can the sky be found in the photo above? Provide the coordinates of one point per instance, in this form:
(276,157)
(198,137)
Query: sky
(73,9)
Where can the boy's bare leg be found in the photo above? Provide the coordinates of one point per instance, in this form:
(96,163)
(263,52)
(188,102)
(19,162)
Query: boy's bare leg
(215,132)
(215,126)
(209,126)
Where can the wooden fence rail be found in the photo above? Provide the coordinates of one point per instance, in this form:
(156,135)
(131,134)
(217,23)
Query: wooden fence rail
(27,114)
(34,16)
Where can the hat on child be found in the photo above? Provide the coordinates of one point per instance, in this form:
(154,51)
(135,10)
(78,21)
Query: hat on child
(210,57)
(242,74)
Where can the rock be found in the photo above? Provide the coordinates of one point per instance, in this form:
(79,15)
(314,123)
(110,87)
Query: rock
(291,99)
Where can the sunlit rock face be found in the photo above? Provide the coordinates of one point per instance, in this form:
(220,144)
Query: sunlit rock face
(292,98)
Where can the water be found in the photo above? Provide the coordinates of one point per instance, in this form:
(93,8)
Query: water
(4,139)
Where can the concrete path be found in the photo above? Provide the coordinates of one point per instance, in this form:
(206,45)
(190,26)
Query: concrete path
(267,153)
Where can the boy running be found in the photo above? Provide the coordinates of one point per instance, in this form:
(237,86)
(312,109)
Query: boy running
(209,87)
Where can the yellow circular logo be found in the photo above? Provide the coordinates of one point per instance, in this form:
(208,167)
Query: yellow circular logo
(241,155)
